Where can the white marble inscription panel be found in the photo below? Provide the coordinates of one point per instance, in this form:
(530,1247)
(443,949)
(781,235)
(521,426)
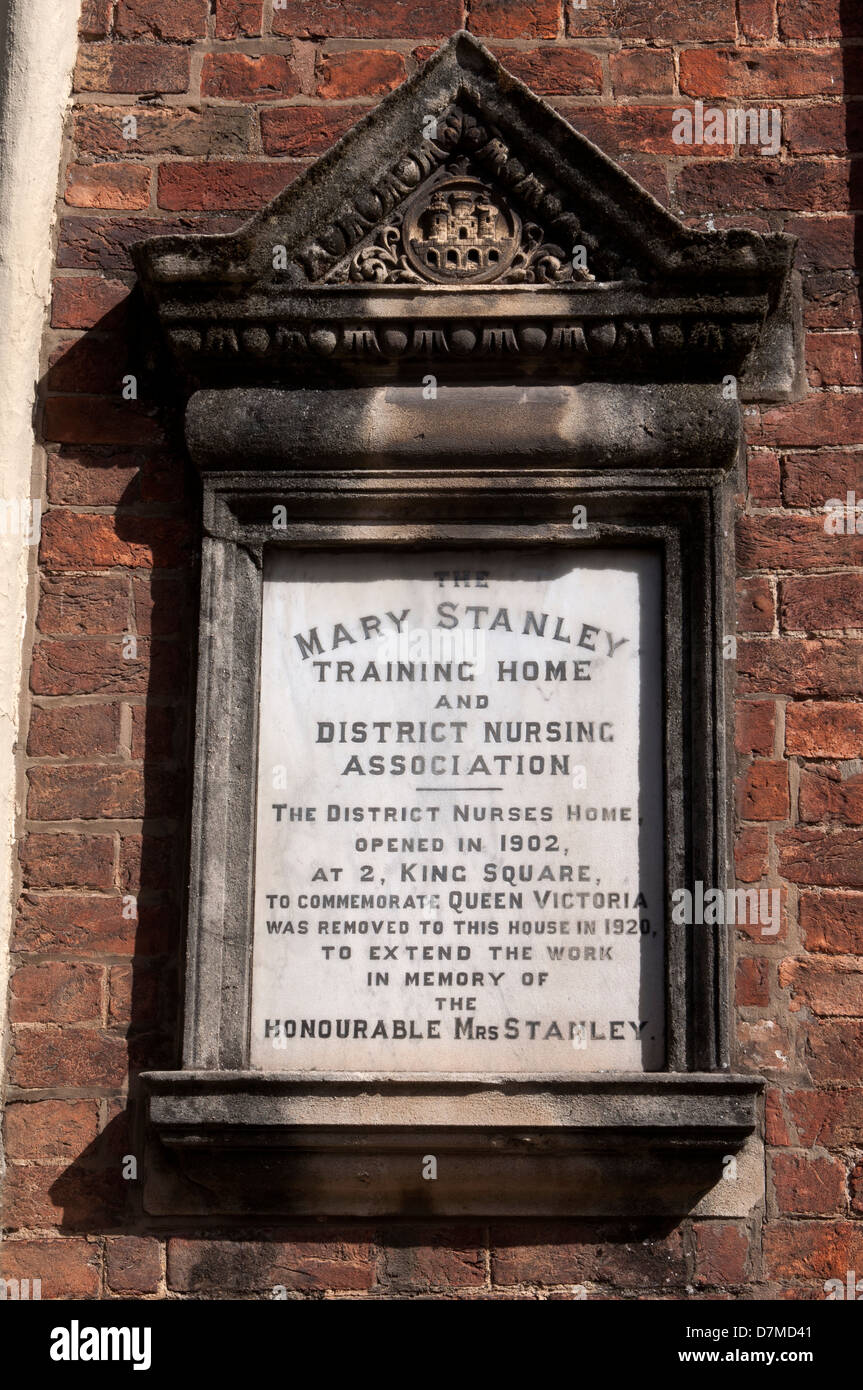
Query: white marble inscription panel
(459,858)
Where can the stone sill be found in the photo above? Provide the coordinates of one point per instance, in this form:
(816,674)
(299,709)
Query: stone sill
(252,1109)
(251,1145)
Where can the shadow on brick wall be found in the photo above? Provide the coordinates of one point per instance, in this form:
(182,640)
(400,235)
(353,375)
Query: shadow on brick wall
(119,585)
(851,23)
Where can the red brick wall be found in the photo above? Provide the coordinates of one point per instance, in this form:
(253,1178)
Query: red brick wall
(232,99)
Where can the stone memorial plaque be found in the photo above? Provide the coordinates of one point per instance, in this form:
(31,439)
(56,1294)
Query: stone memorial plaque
(459,843)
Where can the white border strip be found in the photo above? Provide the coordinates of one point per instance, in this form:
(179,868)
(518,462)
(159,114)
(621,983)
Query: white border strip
(38,41)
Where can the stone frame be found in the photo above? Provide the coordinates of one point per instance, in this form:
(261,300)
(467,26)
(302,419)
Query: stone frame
(303,392)
(696,1106)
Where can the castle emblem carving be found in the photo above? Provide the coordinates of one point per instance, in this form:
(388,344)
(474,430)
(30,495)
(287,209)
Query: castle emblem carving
(460,232)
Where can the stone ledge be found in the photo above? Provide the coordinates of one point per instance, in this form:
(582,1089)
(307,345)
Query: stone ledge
(706,1109)
(592,425)
(246,1143)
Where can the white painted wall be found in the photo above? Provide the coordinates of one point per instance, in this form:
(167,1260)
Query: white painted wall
(39,39)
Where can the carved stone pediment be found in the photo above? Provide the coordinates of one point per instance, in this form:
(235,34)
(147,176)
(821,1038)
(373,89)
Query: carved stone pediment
(463,218)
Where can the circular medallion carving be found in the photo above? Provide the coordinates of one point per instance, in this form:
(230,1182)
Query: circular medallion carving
(460,232)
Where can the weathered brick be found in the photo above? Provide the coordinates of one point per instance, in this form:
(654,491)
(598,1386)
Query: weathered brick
(248,77)
(763,477)
(102,243)
(374,19)
(223,184)
(821,603)
(67,861)
(83,666)
(77,731)
(825,419)
(95,363)
(750,854)
(161,603)
(91,924)
(555,71)
(833,359)
(75,1196)
(108,186)
(147,863)
(735,185)
(643,19)
(50,1128)
(642,71)
(183,20)
(746,73)
(828,128)
(831,794)
(305,131)
(307,1260)
(755,605)
(152,732)
(426,1258)
(823,666)
(808,1184)
(99,420)
(56,992)
(834,1047)
(133,1264)
(82,603)
(829,986)
(574,1252)
(811,480)
(819,19)
(775,1124)
(133,996)
(132,68)
(630,129)
(825,858)
(167,130)
(823,729)
(358,73)
(827,1118)
(855,1188)
(54,1056)
(73,792)
(68,1268)
(826,243)
(81,301)
(94,21)
(516,19)
(240,19)
(752,982)
(93,541)
(88,478)
(763,792)
(755,726)
(832,922)
(830,300)
(757,18)
(721,1250)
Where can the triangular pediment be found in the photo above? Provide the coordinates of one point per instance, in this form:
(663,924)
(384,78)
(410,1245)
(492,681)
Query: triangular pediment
(463,115)
(416,234)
